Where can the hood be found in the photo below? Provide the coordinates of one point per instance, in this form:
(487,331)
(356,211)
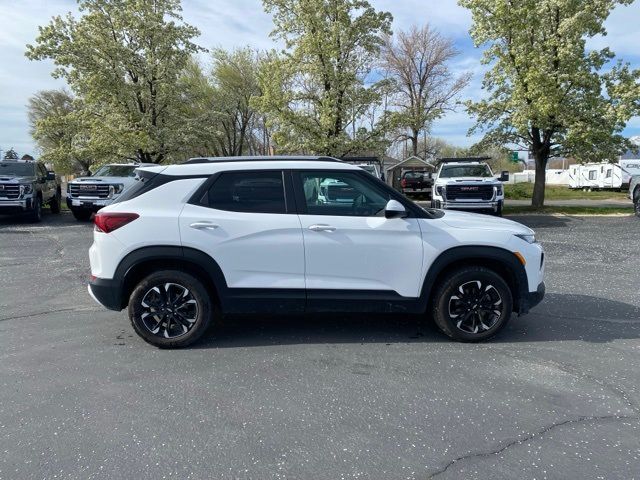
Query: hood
(483,222)
(469,180)
(14,179)
(105,180)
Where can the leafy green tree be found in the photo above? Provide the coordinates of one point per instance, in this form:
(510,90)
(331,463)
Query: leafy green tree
(418,62)
(546,92)
(56,126)
(314,94)
(123,58)
(11,154)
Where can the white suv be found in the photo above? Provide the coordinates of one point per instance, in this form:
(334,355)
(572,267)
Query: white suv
(190,242)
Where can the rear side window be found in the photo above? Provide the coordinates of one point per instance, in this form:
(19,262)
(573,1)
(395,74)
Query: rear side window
(256,192)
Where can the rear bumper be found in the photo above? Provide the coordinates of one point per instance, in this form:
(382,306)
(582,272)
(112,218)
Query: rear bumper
(531,299)
(106,292)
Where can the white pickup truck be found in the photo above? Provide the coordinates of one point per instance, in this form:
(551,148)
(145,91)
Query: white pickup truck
(468,185)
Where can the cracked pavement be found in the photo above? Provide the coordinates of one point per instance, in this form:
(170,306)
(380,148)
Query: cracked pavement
(555,395)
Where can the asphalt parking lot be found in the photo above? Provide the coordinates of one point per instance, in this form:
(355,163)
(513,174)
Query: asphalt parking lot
(555,395)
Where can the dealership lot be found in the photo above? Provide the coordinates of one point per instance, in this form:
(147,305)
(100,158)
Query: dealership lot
(556,394)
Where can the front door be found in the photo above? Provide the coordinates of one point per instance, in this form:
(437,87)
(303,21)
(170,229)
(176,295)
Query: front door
(349,244)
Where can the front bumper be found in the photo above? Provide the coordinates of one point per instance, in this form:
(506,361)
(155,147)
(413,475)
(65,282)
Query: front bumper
(16,206)
(92,204)
(531,299)
(493,205)
(106,292)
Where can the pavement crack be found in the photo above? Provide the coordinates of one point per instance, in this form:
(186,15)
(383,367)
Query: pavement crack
(530,436)
(35,314)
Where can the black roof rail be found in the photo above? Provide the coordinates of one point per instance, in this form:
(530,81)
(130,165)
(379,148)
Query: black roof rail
(291,158)
(462,159)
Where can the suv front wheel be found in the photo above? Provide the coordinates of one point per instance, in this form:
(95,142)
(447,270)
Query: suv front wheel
(170,309)
(636,201)
(472,304)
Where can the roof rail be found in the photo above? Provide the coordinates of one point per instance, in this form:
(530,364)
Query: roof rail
(291,158)
(462,159)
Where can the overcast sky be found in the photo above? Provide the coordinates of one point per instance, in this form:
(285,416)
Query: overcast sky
(230,23)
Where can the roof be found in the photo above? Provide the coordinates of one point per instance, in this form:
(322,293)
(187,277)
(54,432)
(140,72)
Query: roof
(252,163)
(261,158)
(412,161)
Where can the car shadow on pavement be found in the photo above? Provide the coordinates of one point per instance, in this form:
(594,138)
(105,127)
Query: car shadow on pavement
(542,221)
(61,220)
(560,317)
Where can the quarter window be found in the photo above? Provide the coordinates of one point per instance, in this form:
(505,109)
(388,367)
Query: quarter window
(342,194)
(256,192)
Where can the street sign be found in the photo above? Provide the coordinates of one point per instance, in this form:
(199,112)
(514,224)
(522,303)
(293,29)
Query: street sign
(514,157)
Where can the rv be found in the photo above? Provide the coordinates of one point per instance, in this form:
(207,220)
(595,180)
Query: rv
(597,176)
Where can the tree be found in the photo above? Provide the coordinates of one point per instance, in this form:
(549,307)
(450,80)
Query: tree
(11,154)
(418,61)
(122,58)
(217,106)
(547,93)
(56,126)
(314,93)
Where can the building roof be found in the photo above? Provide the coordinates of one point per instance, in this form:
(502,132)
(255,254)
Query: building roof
(412,162)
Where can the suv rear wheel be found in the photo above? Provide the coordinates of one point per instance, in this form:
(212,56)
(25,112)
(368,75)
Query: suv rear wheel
(55,202)
(472,304)
(170,309)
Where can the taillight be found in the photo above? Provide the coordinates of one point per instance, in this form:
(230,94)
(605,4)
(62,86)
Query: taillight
(403,183)
(109,221)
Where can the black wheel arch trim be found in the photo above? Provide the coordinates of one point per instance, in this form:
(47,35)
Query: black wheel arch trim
(503,261)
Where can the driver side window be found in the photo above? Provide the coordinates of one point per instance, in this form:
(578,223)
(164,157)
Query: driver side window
(342,194)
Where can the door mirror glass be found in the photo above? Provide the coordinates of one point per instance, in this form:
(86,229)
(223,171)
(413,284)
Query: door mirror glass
(394,209)
(51,176)
(504,176)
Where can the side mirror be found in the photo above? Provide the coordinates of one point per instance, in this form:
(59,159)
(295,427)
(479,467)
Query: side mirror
(504,176)
(51,175)
(394,209)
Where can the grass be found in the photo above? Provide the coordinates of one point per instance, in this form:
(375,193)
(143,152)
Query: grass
(520,209)
(524,191)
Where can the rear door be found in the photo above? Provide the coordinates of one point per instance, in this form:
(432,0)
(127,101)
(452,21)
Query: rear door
(349,244)
(245,223)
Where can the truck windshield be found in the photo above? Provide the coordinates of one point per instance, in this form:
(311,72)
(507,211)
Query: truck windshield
(451,171)
(17,169)
(116,171)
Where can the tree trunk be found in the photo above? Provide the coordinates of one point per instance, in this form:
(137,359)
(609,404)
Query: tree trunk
(414,142)
(541,159)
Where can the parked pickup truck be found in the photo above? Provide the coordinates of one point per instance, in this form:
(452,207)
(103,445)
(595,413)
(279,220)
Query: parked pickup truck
(468,185)
(27,185)
(416,182)
(634,193)
(87,195)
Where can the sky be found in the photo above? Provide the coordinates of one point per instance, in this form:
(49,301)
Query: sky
(236,23)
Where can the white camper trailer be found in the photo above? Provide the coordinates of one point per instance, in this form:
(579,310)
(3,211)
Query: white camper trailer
(596,176)
(630,168)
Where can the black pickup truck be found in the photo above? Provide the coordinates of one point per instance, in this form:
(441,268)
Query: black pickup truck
(25,186)
(416,183)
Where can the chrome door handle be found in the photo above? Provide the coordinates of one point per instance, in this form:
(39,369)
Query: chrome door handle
(204,226)
(322,228)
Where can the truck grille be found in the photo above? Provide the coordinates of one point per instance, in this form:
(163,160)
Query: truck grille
(9,190)
(88,190)
(469,192)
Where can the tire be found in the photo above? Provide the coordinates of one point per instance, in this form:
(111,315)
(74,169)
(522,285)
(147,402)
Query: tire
(81,215)
(498,212)
(448,304)
(36,214)
(55,202)
(636,204)
(177,326)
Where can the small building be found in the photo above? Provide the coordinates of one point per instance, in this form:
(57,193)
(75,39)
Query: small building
(393,174)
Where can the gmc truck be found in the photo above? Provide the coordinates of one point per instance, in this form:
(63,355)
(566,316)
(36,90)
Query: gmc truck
(25,186)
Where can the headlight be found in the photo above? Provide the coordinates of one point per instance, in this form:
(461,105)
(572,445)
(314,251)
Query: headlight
(26,188)
(529,238)
(118,188)
(499,190)
(439,190)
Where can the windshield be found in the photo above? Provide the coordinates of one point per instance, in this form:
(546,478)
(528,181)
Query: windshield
(116,171)
(17,169)
(450,171)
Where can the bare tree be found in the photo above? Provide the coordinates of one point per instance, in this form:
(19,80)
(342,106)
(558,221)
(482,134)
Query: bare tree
(418,61)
